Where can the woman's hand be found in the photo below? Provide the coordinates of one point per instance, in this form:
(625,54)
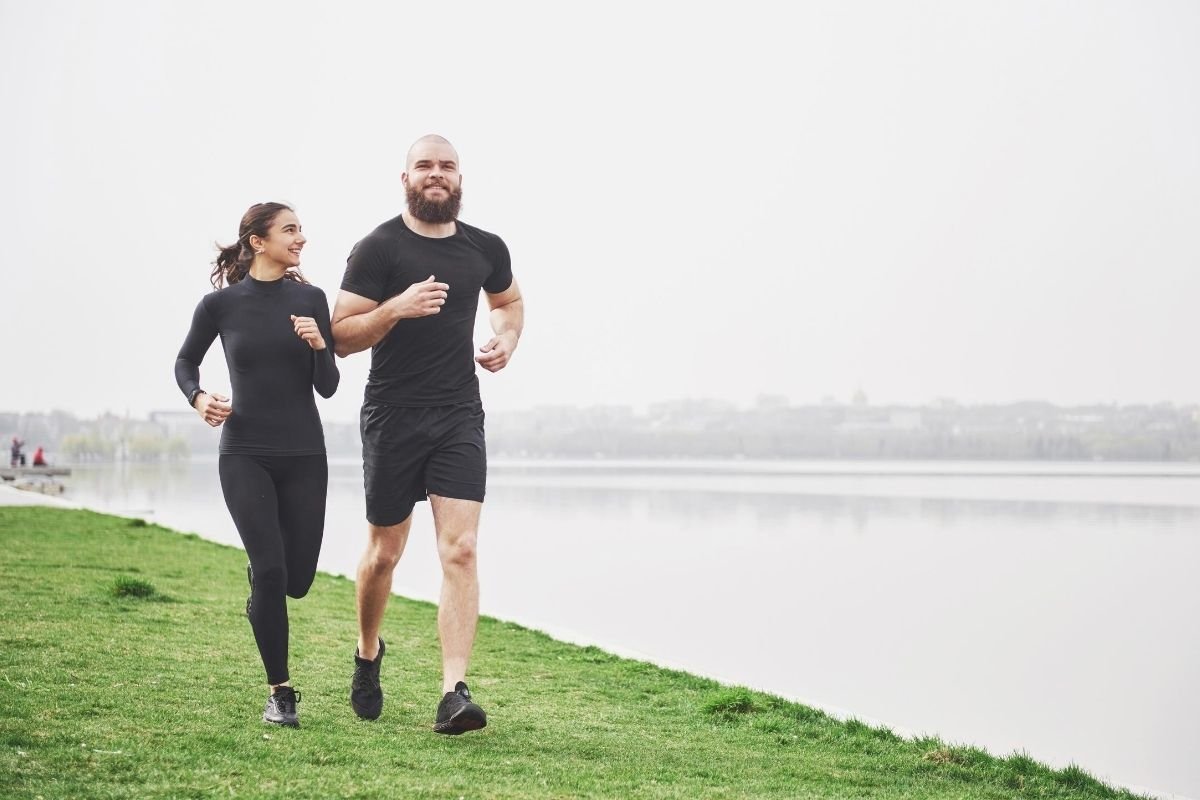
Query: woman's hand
(213,408)
(306,329)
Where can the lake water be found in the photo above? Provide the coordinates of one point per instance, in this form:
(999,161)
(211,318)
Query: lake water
(1050,608)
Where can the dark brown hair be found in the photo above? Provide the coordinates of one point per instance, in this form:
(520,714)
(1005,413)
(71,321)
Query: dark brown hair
(233,262)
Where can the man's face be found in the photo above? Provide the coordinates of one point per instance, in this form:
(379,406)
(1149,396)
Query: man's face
(432,182)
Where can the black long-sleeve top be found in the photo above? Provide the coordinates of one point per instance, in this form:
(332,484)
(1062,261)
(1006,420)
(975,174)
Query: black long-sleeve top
(272,370)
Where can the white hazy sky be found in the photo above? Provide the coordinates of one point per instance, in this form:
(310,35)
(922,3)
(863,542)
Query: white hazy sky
(989,201)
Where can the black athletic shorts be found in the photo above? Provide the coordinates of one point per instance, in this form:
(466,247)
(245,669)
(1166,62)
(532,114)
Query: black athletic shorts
(410,453)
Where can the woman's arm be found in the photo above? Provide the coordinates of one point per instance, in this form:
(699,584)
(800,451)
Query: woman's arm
(199,338)
(212,409)
(325,371)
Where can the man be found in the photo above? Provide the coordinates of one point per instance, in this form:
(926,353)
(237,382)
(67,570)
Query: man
(411,292)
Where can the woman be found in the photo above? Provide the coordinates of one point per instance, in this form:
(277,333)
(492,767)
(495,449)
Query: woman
(274,328)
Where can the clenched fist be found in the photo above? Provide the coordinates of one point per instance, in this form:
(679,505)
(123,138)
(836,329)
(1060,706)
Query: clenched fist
(306,329)
(421,299)
(213,408)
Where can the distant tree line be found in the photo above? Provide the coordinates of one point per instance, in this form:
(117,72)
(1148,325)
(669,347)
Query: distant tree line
(776,430)
(770,429)
(106,438)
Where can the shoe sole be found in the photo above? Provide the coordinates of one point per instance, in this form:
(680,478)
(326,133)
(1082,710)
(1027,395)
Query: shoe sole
(464,721)
(295,724)
(368,713)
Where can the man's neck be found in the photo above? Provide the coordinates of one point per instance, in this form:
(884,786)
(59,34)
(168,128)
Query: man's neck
(434,230)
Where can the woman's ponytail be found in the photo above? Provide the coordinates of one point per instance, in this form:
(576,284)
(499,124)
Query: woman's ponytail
(232,263)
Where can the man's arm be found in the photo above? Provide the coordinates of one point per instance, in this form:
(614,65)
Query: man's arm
(508,320)
(360,322)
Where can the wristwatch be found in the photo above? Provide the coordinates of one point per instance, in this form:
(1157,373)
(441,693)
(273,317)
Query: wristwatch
(195,393)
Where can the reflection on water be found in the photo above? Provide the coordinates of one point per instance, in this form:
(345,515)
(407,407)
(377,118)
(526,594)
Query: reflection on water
(1050,614)
(774,508)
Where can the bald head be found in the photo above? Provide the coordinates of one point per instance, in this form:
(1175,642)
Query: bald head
(431,146)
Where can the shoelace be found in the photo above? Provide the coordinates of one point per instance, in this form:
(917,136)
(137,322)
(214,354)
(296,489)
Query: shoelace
(286,701)
(365,677)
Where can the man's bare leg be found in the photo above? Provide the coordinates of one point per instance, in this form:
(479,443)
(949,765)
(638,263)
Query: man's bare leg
(385,545)
(457,524)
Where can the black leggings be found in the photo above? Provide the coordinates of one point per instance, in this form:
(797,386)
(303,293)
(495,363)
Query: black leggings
(278,506)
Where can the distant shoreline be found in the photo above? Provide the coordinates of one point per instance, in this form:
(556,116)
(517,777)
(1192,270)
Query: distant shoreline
(941,468)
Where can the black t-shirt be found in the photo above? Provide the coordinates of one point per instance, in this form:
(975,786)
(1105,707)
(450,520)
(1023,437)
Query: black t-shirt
(427,361)
(272,370)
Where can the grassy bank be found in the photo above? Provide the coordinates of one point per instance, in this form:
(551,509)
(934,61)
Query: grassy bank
(127,669)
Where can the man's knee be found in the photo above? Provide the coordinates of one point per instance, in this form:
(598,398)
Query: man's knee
(385,545)
(458,552)
(381,558)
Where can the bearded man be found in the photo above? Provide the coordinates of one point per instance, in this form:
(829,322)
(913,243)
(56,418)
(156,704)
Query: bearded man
(410,293)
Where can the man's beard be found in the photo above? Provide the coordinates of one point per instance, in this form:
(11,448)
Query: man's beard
(434,211)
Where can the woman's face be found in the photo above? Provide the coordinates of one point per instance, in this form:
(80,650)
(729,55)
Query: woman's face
(285,240)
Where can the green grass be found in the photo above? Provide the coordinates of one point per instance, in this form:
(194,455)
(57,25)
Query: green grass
(126,586)
(107,696)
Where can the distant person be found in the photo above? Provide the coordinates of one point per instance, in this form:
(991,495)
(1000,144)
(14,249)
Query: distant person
(410,293)
(18,458)
(39,457)
(274,328)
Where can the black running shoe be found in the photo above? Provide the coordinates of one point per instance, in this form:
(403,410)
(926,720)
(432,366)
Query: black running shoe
(281,707)
(250,597)
(457,714)
(366,698)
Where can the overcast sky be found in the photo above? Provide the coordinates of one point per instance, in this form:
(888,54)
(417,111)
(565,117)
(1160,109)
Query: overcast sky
(983,201)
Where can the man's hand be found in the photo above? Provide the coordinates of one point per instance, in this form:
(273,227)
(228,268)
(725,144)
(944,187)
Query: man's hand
(213,408)
(419,300)
(360,322)
(306,329)
(497,351)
